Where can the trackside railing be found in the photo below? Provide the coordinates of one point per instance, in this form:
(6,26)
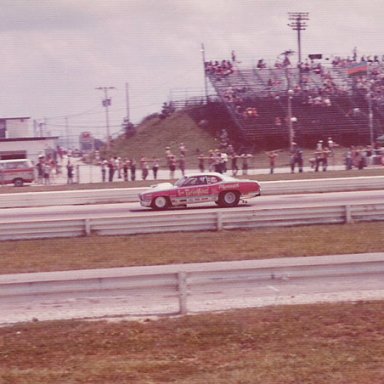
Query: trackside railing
(180,282)
(155,222)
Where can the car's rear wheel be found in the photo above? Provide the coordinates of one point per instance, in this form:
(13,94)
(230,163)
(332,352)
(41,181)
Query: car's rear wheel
(160,202)
(229,199)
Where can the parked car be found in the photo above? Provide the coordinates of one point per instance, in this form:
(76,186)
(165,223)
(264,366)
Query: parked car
(224,190)
(16,172)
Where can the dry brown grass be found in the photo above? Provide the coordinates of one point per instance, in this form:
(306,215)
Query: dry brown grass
(322,344)
(152,249)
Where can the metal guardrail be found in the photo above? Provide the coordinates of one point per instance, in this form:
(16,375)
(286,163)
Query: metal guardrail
(323,185)
(235,218)
(184,280)
(128,195)
(92,196)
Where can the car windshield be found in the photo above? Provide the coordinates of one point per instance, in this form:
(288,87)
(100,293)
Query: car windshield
(180,181)
(189,181)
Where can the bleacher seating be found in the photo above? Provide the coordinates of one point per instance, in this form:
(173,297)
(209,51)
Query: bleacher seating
(325,102)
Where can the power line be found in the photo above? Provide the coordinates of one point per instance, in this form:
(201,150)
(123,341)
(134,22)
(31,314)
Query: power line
(87,112)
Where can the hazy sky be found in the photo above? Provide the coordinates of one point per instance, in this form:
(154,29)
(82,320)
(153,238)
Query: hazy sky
(56,52)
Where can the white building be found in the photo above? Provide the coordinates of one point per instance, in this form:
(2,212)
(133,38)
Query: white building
(18,140)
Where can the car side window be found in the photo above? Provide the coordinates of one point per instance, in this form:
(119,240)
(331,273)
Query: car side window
(213,180)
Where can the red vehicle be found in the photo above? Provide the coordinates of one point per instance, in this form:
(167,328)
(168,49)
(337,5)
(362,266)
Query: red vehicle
(225,191)
(16,172)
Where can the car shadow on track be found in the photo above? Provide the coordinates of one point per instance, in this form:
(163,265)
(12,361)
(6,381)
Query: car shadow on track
(195,207)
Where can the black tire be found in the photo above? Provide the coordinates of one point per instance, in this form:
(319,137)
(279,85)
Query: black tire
(160,202)
(229,199)
(18,182)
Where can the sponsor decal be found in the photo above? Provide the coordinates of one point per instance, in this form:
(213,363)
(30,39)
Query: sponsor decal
(230,186)
(197,191)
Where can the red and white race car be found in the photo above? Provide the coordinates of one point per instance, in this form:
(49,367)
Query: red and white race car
(225,191)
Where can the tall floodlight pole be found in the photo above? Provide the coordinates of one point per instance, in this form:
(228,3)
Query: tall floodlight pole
(205,75)
(370,118)
(298,23)
(106,102)
(290,125)
(370,107)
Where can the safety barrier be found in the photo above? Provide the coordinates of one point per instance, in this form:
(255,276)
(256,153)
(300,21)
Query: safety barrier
(199,220)
(181,281)
(50,198)
(128,195)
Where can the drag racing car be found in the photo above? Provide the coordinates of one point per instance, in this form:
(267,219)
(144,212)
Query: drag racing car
(224,190)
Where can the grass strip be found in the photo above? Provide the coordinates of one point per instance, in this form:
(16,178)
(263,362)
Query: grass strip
(333,343)
(187,247)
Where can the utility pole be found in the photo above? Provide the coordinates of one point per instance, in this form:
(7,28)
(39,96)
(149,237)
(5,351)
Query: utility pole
(370,108)
(67,131)
(205,75)
(106,102)
(370,119)
(127,125)
(298,23)
(127,100)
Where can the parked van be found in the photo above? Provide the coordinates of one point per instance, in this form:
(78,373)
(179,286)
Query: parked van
(16,172)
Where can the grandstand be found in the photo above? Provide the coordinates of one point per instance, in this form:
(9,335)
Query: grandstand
(343,100)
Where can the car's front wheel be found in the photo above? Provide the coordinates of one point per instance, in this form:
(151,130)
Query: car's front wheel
(229,199)
(160,202)
(18,182)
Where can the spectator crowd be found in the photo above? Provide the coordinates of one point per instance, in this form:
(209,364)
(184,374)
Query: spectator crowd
(227,160)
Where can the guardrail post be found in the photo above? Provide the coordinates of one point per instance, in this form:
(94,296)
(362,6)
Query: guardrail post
(87,227)
(348,215)
(219,221)
(183,292)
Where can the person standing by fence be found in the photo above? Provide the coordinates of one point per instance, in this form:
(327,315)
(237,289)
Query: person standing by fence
(47,173)
(125,169)
(155,167)
(272,156)
(182,164)
(104,166)
(111,169)
(70,171)
(132,168)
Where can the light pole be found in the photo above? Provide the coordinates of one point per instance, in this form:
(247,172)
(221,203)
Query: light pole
(297,23)
(106,102)
(290,126)
(205,75)
(370,118)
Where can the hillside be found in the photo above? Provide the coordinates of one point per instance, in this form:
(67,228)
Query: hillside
(154,134)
